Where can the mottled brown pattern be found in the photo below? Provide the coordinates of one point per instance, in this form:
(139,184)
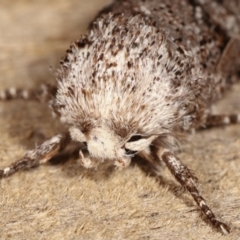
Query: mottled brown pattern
(218,120)
(41,154)
(189,181)
(140,79)
(44,94)
(217,26)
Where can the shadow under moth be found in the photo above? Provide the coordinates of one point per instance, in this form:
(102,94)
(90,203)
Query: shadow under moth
(146,73)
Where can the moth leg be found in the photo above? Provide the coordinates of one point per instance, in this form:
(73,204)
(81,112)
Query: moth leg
(220,120)
(41,154)
(186,178)
(42,94)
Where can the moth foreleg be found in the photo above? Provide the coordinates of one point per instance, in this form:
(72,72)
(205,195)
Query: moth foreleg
(187,179)
(41,154)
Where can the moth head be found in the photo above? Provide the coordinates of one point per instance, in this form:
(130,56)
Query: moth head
(102,143)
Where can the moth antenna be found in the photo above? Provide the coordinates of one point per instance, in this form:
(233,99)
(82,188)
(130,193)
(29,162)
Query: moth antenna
(186,178)
(41,154)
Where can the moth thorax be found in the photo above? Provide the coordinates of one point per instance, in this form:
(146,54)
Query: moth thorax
(103,143)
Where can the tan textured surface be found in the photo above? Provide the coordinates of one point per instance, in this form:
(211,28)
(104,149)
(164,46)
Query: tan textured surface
(67,202)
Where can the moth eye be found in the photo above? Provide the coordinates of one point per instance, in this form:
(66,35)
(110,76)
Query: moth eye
(85,144)
(134,138)
(129,152)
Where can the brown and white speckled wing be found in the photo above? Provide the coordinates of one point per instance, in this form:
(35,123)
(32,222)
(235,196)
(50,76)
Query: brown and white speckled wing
(152,73)
(127,73)
(184,23)
(203,28)
(225,13)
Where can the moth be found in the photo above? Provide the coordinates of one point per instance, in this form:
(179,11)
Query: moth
(146,73)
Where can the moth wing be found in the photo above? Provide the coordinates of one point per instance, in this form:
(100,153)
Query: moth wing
(229,63)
